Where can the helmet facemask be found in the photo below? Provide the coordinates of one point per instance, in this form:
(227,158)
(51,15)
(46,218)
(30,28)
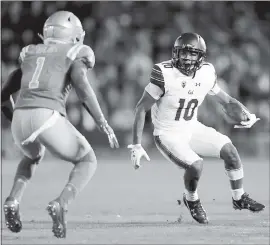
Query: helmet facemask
(187,60)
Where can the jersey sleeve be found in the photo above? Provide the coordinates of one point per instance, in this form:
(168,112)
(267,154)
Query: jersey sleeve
(156,87)
(83,53)
(215,90)
(212,77)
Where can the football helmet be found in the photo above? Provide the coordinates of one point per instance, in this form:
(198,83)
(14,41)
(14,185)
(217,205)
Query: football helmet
(64,27)
(188,53)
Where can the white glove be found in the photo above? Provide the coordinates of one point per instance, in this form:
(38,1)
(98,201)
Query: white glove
(252,119)
(137,152)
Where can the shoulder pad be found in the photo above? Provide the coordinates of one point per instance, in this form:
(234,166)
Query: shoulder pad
(23,53)
(165,64)
(208,67)
(83,52)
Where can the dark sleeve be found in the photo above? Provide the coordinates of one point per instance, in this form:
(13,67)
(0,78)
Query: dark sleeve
(12,85)
(157,77)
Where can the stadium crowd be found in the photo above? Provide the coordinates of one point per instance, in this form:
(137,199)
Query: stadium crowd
(129,37)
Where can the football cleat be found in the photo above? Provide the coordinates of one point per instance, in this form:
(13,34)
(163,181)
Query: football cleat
(12,215)
(57,213)
(196,210)
(247,203)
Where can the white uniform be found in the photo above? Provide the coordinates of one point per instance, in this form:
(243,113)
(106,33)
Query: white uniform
(177,133)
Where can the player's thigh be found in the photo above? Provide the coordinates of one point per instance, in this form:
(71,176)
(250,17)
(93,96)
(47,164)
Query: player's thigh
(21,128)
(206,141)
(65,141)
(176,150)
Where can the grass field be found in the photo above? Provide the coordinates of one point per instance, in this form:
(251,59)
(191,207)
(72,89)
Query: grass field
(121,205)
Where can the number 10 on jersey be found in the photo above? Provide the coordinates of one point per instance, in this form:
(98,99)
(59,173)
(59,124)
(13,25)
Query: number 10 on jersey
(188,107)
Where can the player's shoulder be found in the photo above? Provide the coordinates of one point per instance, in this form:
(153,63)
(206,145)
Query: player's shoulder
(82,52)
(26,50)
(164,65)
(207,67)
(158,73)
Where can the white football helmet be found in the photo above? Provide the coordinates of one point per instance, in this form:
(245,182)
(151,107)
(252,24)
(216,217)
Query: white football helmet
(63,27)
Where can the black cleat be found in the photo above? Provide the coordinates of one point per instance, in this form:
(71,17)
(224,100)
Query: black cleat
(247,203)
(196,210)
(57,213)
(12,215)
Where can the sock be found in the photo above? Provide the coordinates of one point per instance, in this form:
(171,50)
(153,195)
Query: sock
(18,188)
(80,175)
(191,195)
(236,177)
(237,193)
(25,171)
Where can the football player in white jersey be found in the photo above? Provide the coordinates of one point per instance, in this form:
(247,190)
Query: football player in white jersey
(177,88)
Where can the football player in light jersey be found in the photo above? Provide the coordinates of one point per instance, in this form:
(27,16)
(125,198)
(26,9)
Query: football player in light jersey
(46,75)
(177,88)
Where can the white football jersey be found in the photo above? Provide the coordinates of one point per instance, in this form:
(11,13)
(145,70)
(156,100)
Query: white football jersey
(178,96)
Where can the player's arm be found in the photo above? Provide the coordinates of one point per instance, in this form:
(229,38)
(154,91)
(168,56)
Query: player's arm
(225,100)
(12,85)
(144,105)
(86,94)
(153,92)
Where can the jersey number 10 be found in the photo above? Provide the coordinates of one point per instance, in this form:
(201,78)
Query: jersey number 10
(189,109)
(34,83)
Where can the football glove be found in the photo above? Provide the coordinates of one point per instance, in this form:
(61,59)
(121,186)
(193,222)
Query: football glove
(137,152)
(106,128)
(252,119)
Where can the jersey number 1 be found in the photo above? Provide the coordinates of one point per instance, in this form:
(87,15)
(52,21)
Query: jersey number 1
(189,112)
(34,83)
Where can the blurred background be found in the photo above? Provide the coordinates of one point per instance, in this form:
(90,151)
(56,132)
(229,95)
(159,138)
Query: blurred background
(129,37)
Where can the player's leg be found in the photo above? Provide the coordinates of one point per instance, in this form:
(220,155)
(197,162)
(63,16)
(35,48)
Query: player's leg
(235,172)
(206,141)
(65,142)
(33,154)
(183,156)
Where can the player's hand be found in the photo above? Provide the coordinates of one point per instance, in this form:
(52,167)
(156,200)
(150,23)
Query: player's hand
(106,128)
(137,152)
(252,119)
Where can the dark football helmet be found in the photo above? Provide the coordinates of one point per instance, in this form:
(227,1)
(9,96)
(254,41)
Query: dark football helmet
(188,53)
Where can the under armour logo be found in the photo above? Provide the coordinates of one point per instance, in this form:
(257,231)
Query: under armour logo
(190,91)
(198,84)
(184,84)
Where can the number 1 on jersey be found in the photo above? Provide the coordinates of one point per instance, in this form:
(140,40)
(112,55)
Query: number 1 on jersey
(187,115)
(34,83)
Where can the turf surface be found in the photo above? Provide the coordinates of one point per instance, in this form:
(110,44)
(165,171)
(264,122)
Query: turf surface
(121,205)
